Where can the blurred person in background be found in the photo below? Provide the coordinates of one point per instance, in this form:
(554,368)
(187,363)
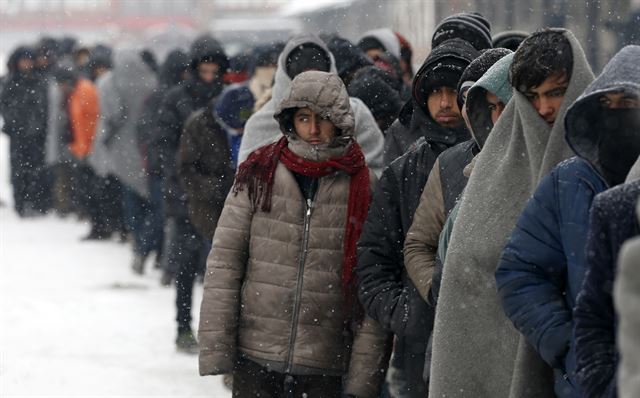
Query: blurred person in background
(80,111)
(23,104)
(262,69)
(173,71)
(116,152)
(185,248)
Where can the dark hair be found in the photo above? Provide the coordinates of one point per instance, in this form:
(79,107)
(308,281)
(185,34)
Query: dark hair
(542,54)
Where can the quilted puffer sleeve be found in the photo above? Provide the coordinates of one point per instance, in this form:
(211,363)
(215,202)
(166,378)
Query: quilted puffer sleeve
(369,359)
(226,266)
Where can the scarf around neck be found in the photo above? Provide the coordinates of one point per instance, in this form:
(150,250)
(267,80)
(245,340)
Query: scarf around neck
(257,175)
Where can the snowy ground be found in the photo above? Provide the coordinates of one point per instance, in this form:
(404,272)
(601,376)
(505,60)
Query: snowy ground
(74,320)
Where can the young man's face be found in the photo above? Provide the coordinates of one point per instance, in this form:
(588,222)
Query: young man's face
(443,107)
(495,106)
(208,71)
(619,101)
(311,128)
(548,96)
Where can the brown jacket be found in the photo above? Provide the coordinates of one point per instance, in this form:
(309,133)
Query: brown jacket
(273,285)
(421,243)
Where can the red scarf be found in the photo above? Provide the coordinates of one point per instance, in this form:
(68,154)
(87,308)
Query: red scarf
(257,173)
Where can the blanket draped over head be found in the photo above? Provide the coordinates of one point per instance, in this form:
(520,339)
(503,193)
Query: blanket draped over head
(476,350)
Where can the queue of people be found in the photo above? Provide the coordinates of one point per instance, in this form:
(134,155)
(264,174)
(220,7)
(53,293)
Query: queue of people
(361,230)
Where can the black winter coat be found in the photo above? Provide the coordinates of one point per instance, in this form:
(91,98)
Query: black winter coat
(205,170)
(178,104)
(612,223)
(23,105)
(384,289)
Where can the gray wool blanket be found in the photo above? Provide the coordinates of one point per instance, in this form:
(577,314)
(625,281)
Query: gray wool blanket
(476,350)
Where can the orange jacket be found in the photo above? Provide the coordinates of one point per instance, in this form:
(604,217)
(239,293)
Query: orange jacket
(84,110)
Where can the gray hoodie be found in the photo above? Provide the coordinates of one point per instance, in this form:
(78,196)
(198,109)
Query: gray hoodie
(262,128)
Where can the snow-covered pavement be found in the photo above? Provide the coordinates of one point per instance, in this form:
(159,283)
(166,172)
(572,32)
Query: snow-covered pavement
(75,321)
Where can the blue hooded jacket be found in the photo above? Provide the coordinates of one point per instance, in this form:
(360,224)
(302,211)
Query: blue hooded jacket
(542,267)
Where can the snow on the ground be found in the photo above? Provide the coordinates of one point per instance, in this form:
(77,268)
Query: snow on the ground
(75,321)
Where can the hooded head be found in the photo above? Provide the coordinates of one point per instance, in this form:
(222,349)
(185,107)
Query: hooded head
(265,55)
(349,57)
(100,60)
(66,76)
(375,88)
(541,71)
(282,80)
(306,57)
(47,54)
(478,108)
(604,133)
(476,69)
(469,26)
(233,108)
(207,79)
(173,68)
(442,68)
(325,95)
(207,49)
(21,60)
(383,39)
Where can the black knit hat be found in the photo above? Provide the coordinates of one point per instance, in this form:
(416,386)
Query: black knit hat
(478,67)
(443,67)
(510,39)
(471,27)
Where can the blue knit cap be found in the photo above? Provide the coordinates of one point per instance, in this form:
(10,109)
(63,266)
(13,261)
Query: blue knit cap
(234,106)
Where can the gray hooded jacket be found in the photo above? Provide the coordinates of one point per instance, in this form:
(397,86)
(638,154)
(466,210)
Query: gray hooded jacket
(122,92)
(262,129)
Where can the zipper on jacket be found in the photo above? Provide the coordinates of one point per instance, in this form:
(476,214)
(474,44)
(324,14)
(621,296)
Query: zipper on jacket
(296,304)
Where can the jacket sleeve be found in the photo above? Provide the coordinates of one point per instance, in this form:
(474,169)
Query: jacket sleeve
(596,357)
(203,166)
(224,276)
(380,262)
(369,360)
(421,244)
(531,273)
